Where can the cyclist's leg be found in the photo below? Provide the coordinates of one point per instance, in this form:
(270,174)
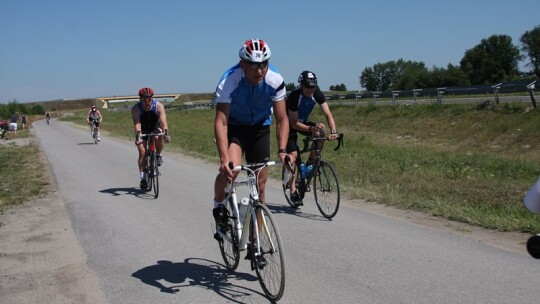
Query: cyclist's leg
(258,151)
(159,148)
(219,210)
(316,145)
(97,130)
(141,162)
(292,149)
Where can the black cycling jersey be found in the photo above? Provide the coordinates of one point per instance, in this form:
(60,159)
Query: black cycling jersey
(149,119)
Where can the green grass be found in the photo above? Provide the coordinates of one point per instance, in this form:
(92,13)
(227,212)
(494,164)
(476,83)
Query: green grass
(451,161)
(22,174)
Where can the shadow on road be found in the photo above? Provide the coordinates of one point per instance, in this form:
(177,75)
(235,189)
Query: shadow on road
(123,191)
(194,272)
(286,209)
(86,144)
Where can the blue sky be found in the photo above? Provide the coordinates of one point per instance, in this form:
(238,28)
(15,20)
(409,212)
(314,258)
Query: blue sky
(60,49)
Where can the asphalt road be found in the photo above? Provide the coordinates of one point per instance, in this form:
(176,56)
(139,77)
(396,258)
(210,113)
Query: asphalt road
(145,250)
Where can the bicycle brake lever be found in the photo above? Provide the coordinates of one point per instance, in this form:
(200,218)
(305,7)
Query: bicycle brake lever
(340,142)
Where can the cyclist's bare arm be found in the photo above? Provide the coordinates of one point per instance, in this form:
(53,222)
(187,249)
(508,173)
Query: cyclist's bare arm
(282,126)
(220,134)
(330,119)
(294,123)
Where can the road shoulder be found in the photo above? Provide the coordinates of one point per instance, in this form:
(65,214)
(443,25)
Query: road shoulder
(41,259)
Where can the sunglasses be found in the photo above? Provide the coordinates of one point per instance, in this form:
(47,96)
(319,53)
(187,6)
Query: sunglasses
(257,65)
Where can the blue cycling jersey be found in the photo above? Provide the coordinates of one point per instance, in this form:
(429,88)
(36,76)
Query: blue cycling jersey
(297,102)
(250,104)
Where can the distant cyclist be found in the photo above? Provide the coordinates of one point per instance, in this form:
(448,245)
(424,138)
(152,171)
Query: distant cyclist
(300,104)
(47,117)
(246,96)
(94,117)
(149,117)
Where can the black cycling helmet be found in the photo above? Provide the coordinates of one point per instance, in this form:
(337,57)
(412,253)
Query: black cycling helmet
(308,79)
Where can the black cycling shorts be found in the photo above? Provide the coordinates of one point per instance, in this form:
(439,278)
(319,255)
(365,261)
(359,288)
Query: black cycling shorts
(292,142)
(253,140)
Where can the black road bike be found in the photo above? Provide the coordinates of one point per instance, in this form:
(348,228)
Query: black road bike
(151,164)
(325,184)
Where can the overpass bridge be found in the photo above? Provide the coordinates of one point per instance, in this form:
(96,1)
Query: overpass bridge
(108,99)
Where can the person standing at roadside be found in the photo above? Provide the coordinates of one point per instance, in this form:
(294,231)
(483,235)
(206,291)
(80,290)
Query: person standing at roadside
(13,125)
(23,121)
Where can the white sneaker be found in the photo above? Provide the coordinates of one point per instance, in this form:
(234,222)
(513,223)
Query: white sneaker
(98,139)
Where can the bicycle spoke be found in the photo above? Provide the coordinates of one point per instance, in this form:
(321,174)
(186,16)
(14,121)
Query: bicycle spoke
(270,264)
(228,245)
(326,190)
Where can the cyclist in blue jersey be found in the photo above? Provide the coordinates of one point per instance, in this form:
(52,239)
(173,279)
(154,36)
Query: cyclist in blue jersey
(148,116)
(300,104)
(246,96)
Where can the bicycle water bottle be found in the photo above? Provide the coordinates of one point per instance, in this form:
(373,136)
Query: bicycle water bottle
(303,171)
(309,169)
(286,176)
(242,208)
(152,146)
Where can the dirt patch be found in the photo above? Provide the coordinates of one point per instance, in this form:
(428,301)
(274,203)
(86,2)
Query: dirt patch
(41,259)
(17,141)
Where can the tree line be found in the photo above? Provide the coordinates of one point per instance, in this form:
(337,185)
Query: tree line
(6,110)
(493,60)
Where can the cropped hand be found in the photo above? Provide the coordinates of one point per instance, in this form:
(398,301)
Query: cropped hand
(333,136)
(287,159)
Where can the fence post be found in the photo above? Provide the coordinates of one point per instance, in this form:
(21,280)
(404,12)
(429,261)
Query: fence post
(416,92)
(356,97)
(440,92)
(375,95)
(496,89)
(530,88)
(394,95)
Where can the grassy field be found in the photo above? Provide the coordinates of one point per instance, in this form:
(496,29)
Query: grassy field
(452,161)
(22,172)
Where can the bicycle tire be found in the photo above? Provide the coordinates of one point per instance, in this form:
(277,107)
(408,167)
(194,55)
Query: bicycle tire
(326,189)
(94,135)
(272,275)
(229,248)
(155,174)
(149,171)
(286,188)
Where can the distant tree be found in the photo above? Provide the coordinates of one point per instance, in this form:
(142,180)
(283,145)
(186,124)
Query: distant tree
(530,44)
(495,59)
(37,109)
(393,75)
(338,87)
(291,86)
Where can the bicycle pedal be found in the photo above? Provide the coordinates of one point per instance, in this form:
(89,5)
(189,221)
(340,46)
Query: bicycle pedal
(218,237)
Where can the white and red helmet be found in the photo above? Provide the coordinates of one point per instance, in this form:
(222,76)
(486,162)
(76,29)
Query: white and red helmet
(255,50)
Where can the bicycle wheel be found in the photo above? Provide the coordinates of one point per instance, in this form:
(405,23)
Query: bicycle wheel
(228,246)
(94,135)
(270,265)
(155,175)
(286,188)
(326,190)
(149,171)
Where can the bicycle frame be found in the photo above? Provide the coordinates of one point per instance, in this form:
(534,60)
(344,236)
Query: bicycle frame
(318,152)
(243,224)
